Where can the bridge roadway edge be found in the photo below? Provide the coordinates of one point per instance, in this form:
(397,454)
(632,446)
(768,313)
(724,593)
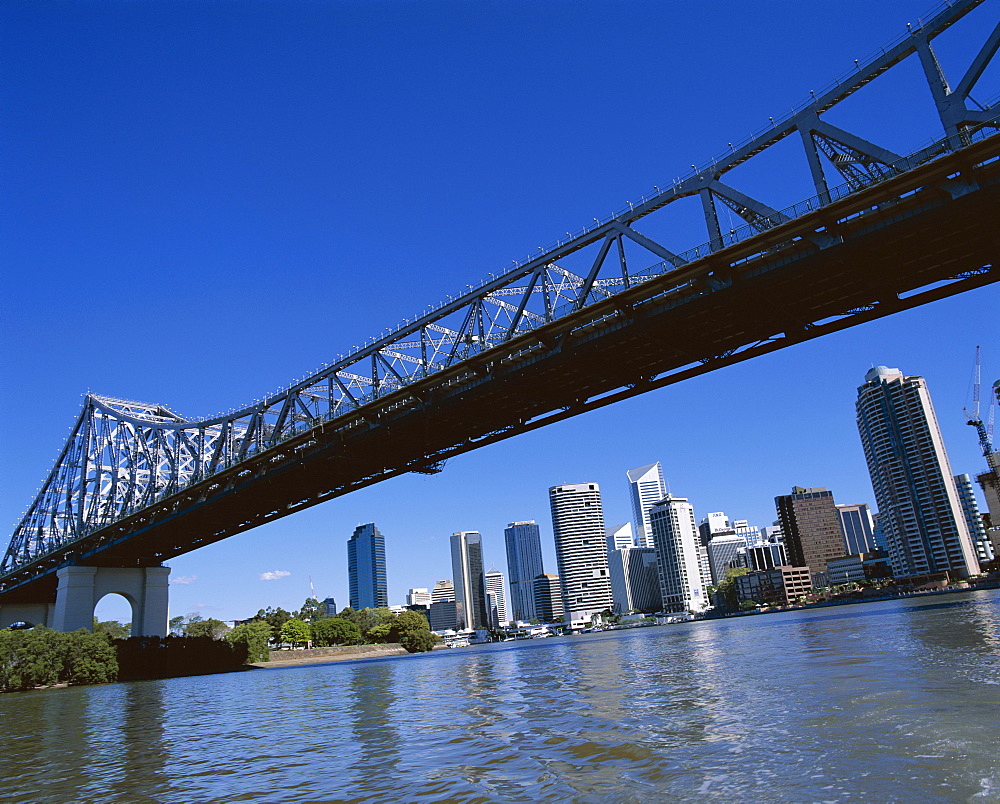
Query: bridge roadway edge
(615,348)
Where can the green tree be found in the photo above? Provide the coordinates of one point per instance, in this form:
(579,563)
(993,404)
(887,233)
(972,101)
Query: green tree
(311,611)
(367,619)
(176,625)
(41,657)
(253,637)
(113,628)
(30,658)
(726,590)
(380,633)
(199,627)
(335,631)
(276,618)
(419,641)
(88,658)
(405,623)
(295,631)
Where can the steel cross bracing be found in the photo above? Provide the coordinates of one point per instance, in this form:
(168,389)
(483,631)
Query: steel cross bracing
(125,464)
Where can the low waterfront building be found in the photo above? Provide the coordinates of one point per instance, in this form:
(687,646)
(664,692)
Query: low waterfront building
(778,586)
(442,615)
(849,569)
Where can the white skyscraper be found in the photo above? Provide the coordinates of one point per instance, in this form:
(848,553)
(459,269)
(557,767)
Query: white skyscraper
(677,540)
(621,537)
(920,512)
(496,597)
(581,549)
(646,488)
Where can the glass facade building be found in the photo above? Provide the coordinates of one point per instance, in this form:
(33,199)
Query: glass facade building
(469,579)
(858,528)
(366,568)
(524,563)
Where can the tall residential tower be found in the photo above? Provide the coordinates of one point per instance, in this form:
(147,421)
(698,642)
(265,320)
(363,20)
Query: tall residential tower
(919,508)
(581,549)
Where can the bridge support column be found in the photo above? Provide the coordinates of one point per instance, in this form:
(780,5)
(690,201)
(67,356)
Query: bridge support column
(75,599)
(80,589)
(30,613)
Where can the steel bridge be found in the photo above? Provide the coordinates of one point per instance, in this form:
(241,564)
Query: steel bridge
(602,315)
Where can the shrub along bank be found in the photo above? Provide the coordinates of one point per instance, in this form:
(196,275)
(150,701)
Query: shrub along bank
(41,657)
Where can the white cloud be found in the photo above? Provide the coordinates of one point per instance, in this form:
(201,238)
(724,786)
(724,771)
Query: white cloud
(184,579)
(273,576)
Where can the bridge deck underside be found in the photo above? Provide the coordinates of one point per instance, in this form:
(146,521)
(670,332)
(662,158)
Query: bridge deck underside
(683,324)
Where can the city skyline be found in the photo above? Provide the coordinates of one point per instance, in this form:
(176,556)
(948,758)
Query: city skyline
(213,252)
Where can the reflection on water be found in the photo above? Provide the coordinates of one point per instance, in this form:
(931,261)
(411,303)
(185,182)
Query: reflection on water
(892,701)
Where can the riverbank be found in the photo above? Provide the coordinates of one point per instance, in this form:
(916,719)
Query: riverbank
(292,658)
(821,604)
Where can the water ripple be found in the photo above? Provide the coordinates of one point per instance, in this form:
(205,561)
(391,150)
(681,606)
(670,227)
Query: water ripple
(895,701)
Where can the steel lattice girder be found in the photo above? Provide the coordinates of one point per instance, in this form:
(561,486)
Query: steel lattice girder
(124,458)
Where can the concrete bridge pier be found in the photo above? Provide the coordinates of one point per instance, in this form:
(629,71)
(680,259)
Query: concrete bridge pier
(81,588)
(31,613)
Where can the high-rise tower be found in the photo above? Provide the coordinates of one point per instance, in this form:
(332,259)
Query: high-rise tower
(581,549)
(677,555)
(366,568)
(919,509)
(470,583)
(811,526)
(973,519)
(646,488)
(524,564)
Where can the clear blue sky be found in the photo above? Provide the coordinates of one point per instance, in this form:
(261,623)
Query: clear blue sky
(202,201)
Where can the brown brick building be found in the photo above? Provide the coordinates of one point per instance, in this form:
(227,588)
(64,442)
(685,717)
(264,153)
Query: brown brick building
(811,526)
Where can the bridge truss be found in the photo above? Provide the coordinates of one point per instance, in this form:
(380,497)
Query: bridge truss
(526,348)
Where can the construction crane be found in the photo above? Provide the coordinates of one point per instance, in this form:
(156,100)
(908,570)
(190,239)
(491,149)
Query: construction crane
(985,431)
